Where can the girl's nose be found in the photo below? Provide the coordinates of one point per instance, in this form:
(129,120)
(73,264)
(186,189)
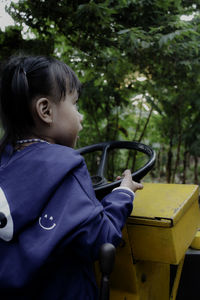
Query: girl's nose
(80,117)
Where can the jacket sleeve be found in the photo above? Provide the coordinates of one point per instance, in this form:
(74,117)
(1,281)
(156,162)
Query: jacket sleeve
(104,220)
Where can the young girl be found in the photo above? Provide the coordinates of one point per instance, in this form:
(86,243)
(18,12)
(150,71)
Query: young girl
(51,224)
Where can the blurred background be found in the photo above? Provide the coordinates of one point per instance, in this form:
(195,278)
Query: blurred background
(139,64)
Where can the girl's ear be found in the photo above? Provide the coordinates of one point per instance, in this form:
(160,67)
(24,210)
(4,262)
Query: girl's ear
(44,110)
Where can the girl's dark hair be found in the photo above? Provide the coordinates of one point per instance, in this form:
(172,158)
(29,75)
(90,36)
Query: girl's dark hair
(25,78)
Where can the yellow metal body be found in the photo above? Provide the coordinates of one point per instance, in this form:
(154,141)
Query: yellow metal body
(160,229)
(196,241)
(164,222)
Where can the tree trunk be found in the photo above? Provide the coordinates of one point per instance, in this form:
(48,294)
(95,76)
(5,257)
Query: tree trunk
(195,169)
(93,114)
(138,123)
(185,158)
(111,161)
(158,163)
(178,149)
(169,159)
(135,135)
(141,136)
(145,125)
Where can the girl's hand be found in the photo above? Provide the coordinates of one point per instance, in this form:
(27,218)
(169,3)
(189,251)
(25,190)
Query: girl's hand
(128,182)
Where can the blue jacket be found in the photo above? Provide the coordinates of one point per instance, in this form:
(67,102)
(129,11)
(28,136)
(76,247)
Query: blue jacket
(52,225)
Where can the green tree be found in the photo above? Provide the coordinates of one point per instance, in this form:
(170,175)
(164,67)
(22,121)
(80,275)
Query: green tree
(110,44)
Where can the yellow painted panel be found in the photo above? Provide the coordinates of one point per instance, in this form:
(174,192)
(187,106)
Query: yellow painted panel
(123,279)
(138,280)
(163,201)
(151,243)
(167,245)
(124,295)
(184,231)
(196,241)
(153,280)
(160,222)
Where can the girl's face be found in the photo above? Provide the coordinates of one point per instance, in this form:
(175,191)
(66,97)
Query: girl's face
(66,121)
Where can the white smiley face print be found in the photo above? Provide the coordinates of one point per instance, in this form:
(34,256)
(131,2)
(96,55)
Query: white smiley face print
(47,222)
(6,221)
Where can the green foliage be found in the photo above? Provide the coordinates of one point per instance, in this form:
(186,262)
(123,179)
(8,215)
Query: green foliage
(12,43)
(111,44)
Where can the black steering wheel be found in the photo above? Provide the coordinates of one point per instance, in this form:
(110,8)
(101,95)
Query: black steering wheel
(100,184)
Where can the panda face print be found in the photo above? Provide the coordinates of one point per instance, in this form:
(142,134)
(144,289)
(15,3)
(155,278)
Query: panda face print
(3,220)
(6,221)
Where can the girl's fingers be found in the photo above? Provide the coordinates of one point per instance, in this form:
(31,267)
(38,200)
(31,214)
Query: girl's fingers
(128,182)
(139,185)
